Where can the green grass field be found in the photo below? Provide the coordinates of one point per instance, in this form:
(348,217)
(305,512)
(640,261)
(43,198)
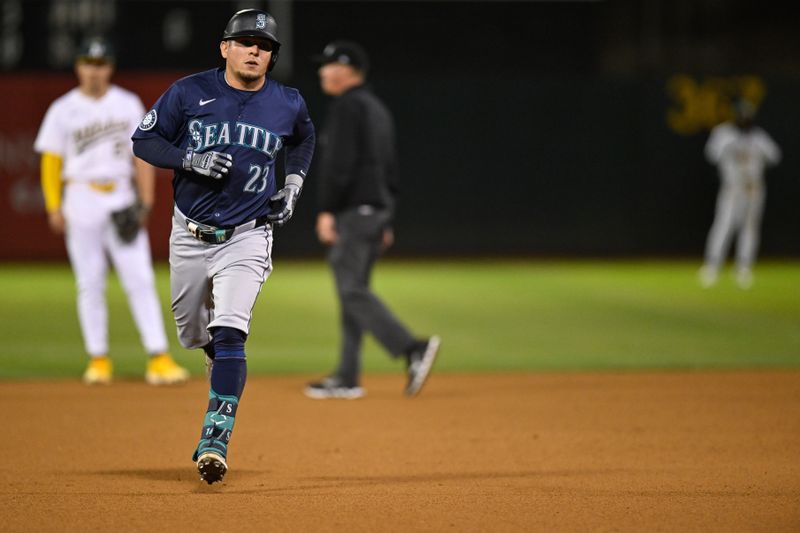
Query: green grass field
(492,316)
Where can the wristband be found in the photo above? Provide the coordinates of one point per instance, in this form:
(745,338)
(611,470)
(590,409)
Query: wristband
(294,179)
(187,159)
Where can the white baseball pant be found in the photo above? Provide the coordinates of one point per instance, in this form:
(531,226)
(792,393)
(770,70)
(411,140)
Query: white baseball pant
(91,241)
(739,209)
(216,285)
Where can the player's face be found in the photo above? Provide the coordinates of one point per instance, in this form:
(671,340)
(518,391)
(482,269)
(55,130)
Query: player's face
(247,58)
(336,78)
(94,76)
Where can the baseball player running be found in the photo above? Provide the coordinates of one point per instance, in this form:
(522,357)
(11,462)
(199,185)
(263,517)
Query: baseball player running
(741,151)
(221,131)
(86,168)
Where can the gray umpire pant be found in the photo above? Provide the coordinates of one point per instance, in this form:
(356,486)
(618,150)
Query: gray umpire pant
(352,258)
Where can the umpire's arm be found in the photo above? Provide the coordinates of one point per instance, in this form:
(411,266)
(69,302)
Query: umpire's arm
(339,155)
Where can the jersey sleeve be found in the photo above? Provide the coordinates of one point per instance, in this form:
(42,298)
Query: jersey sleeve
(51,138)
(300,145)
(717,142)
(165,119)
(156,138)
(770,149)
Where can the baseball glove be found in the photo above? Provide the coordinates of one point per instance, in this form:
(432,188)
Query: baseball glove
(128,221)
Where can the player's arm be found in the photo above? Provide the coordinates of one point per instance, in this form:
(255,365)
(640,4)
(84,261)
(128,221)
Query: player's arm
(51,165)
(300,145)
(145,177)
(771,150)
(51,144)
(158,152)
(712,147)
(718,142)
(161,153)
(299,151)
(151,139)
(163,122)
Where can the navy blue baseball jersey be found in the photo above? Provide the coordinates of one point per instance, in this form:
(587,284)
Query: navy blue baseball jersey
(203,112)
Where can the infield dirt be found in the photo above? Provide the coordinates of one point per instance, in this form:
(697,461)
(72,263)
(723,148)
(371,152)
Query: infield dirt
(637,451)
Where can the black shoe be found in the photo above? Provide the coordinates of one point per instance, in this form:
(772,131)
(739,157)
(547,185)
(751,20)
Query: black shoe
(420,362)
(333,387)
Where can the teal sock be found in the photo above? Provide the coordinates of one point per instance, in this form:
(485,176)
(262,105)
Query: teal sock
(217,425)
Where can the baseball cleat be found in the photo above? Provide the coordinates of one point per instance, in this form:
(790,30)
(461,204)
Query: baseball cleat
(744,278)
(420,363)
(707,276)
(211,467)
(99,371)
(163,370)
(333,387)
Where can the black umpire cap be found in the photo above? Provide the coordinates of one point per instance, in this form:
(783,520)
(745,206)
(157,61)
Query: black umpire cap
(96,48)
(346,53)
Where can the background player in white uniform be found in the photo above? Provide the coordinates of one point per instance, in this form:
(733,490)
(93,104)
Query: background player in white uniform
(87,166)
(741,151)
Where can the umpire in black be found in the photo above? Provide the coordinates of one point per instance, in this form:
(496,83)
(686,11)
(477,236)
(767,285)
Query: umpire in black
(357,176)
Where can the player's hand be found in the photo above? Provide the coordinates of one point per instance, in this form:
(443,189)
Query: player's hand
(285,200)
(56,221)
(326,228)
(212,164)
(388,239)
(144,215)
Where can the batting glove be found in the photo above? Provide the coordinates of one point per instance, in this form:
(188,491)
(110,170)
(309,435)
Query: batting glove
(285,200)
(212,164)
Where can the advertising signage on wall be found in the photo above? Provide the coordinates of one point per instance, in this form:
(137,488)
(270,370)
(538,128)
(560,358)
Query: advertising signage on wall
(697,105)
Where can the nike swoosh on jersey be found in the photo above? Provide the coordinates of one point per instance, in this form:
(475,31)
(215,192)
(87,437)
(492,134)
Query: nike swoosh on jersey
(204,102)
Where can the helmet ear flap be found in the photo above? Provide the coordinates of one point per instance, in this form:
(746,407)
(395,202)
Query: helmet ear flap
(274,59)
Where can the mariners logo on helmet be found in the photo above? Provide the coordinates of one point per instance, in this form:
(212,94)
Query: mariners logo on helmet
(149,120)
(261,21)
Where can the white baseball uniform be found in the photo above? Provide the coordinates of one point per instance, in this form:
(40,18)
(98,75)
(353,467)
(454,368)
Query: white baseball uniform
(92,136)
(741,157)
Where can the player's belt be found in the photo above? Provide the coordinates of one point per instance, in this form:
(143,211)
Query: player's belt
(103,186)
(98,185)
(213,234)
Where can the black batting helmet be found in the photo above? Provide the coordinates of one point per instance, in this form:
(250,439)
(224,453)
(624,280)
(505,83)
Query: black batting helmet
(254,23)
